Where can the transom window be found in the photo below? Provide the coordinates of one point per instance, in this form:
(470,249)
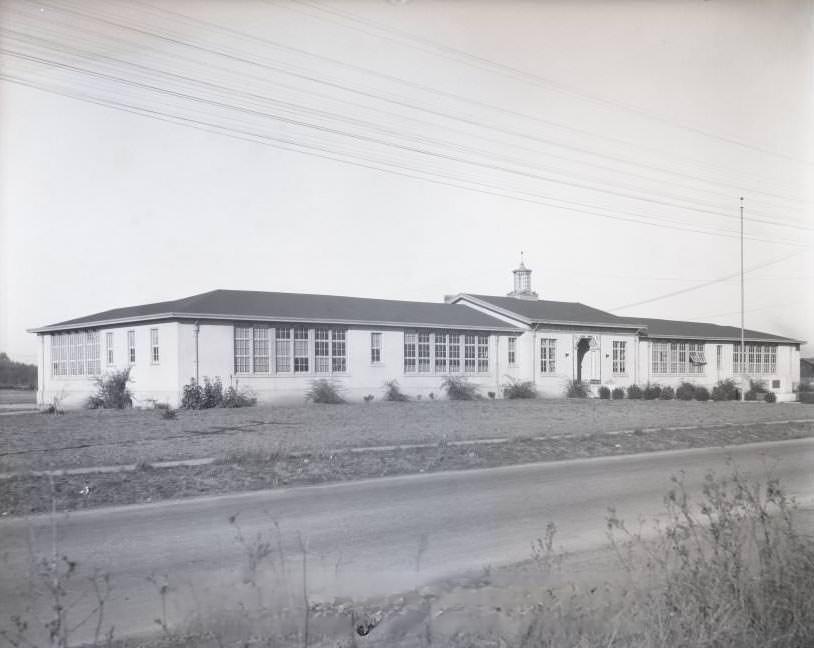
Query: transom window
(548,355)
(677,358)
(619,359)
(75,354)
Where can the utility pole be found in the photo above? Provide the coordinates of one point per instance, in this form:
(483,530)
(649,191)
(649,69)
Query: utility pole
(743,348)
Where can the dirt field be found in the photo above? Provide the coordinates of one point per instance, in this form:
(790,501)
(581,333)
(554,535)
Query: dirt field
(91,438)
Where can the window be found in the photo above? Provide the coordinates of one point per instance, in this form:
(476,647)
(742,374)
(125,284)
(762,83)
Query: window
(548,355)
(300,350)
(483,353)
(109,347)
(322,350)
(131,347)
(282,348)
(243,349)
(410,349)
(154,356)
(760,359)
(469,353)
(260,350)
(338,351)
(719,355)
(512,351)
(375,348)
(75,354)
(619,365)
(423,352)
(677,358)
(454,350)
(440,353)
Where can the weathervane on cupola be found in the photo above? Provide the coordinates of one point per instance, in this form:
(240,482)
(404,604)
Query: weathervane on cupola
(522,282)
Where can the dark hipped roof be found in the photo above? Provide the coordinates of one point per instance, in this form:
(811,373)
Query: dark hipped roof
(542,310)
(295,307)
(663,328)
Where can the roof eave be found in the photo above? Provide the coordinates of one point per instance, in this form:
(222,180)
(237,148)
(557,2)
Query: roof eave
(717,338)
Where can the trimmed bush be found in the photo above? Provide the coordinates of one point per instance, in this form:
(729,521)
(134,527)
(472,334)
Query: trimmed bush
(651,392)
(519,389)
(758,386)
(701,393)
(618,393)
(235,398)
(750,395)
(634,392)
(576,389)
(604,393)
(112,391)
(212,393)
(667,393)
(685,391)
(325,392)
(771,397)
(459,388)
(393,393)
(193,396)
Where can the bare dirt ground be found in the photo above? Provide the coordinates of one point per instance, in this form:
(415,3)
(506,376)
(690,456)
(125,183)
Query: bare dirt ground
(95,437)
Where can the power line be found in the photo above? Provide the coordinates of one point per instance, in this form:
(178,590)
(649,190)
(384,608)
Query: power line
(483,63)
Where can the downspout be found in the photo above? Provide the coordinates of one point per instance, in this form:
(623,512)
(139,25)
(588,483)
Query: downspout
(196,328)
(533,355)
(41,373)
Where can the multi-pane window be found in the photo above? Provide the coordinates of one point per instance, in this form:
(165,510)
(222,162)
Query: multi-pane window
(760,359)
(109,347)
(483,353)
(619,360)
(548,355)
(131,347)
(454,352)
(300,350)
(339,361)
(375,347)
(470,363)
(282,349)
(512,351)
(75,354)
(423,352)
(719,353)
(322,350)
(154,355)
(243,349)
(440,353)
(677,358)
(260,350)
(410,350)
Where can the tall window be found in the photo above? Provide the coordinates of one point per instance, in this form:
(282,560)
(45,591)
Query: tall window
(719,353)
(322,350)
(282,348)
(154,355)
(483,353)
(423,352)
(300,350)
(454,350)
(375,348)
(339,361)
(619,360)
(440,353)
(109,347)
(410,350)
(548,355)
(512,351)
(75,354)
(470,363)
(260,350)
(243,349)
(131,347)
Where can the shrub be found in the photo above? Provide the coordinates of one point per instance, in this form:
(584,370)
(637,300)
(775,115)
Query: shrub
(750,395)
(112,391)
(758,386)
(576,389)
(667,393)
(368,398)
(236,398)
(806,397)
(701,393)
(725,390)
(392,392)
(618,393)
(324,391)
(168,413)
(634,392)
(519,389)
(212,393)
(652,392)
(771,397)
(193,395)
(604,392)
(491,395)
(685,391)
(459,388)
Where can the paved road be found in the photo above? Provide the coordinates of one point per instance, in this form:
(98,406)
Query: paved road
(369,537)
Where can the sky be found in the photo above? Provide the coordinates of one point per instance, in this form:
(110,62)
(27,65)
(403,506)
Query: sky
(152,150)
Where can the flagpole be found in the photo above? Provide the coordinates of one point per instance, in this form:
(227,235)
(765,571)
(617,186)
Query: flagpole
(743,348)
